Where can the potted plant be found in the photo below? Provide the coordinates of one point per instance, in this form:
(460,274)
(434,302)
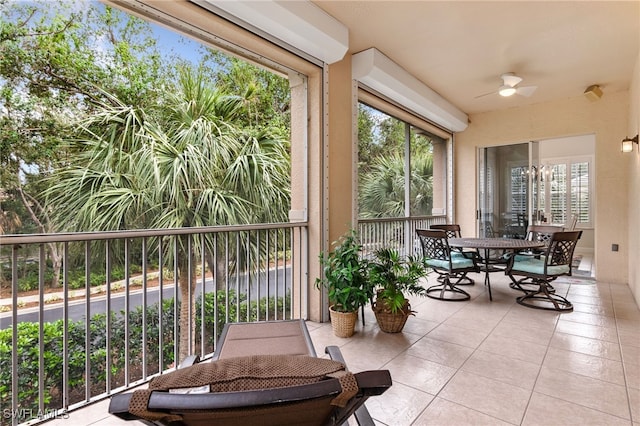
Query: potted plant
(394,277)
(344,274)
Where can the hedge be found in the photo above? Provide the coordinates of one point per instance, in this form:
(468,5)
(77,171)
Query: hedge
(29,348)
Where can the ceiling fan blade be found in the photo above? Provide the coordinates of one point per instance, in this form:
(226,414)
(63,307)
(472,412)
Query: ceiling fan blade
(510,79)
(486,94)
(526,90)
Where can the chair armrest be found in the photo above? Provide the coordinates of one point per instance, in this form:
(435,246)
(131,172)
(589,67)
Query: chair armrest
(189,361)
(335,354)
(376,382)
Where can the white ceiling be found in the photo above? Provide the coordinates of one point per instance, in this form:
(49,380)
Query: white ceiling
(460,48)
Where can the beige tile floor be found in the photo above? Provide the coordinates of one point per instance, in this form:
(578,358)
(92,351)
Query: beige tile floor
(495,363)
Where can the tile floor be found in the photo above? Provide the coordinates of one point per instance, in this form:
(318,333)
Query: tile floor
(495,363)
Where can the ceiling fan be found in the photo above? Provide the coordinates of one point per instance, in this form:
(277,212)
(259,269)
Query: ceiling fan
(510,87)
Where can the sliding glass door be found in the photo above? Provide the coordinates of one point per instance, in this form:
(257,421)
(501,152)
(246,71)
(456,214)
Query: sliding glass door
(508,189)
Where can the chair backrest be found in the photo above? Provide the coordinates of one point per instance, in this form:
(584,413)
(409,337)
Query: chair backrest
(571,225)
(434,244)
(542,233)
(488,229)
(452,230)
(561,248)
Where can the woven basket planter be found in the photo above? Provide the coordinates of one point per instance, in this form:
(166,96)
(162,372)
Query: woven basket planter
(391,322)
(343,323)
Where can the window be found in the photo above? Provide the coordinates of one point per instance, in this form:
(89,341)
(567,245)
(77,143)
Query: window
(565,187)
(382,165)
(519,180)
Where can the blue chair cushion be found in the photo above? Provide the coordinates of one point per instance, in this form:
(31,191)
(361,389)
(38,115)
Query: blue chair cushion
(526,257)
(457,262)
(536,266)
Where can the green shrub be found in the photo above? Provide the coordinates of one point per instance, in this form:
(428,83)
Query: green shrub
(113,362)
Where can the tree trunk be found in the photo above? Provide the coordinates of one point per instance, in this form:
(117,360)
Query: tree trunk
(56,261)
(45,226)
(218,267)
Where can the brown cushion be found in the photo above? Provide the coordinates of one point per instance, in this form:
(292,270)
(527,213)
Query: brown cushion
(246,373)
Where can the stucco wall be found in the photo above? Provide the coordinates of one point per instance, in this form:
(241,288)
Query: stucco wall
(633,128)
(606,118)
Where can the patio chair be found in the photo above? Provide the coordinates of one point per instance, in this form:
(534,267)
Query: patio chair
(571,224)
(453,231)
(541,233)
(438,256)
(261,373)
(543,269)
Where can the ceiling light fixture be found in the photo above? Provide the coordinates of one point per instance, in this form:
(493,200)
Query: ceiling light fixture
(627,143)
(593,92)
(506,91)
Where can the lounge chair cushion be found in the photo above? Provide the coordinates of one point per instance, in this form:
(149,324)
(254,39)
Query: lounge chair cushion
(246,373)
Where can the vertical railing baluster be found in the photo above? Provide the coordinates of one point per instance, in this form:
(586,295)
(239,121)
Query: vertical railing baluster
(127,307)
(258,264)
(214,285)
(14,333)
(160,305)
(227,282)
(291,271)
(176,311)
(277,272)
(87,320)
(237,269)
(108,359)
(203,272)
(144,308)
(190,314)
(65,332)
(247,269)
(268,283)
(41,371)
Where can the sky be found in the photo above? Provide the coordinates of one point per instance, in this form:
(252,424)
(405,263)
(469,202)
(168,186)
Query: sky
(168,40)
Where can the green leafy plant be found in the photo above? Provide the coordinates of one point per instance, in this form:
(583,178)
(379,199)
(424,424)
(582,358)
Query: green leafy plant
(344,274)
(394,277)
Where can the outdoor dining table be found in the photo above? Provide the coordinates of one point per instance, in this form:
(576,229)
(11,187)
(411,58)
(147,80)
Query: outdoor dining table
(487,244)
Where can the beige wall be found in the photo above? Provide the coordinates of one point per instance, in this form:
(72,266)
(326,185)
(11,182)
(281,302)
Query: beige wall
(606,118)
(633,128)
(340,149)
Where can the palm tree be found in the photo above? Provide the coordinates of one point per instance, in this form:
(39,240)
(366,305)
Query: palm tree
(186,164)
(381,192)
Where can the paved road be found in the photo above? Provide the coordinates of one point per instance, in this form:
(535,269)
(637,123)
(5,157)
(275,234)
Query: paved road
(77,308)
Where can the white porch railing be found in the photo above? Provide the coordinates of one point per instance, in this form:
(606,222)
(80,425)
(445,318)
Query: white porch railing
(397,233)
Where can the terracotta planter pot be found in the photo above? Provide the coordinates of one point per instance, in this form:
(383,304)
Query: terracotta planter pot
(388,321)
(343,323)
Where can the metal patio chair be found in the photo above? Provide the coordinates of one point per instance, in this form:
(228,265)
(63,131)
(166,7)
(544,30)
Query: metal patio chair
(543,269)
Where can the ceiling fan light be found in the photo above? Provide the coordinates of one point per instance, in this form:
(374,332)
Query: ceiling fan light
(506,91)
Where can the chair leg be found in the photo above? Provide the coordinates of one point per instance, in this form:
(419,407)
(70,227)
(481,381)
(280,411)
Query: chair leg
(447,291)
(461,279)
(545,299)
(527,285)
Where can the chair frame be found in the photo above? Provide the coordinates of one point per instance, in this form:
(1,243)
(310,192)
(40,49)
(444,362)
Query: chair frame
(558,253)
(453,231)
(435,245)
(542,233)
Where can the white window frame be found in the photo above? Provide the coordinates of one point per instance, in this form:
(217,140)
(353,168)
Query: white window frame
(569,162)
